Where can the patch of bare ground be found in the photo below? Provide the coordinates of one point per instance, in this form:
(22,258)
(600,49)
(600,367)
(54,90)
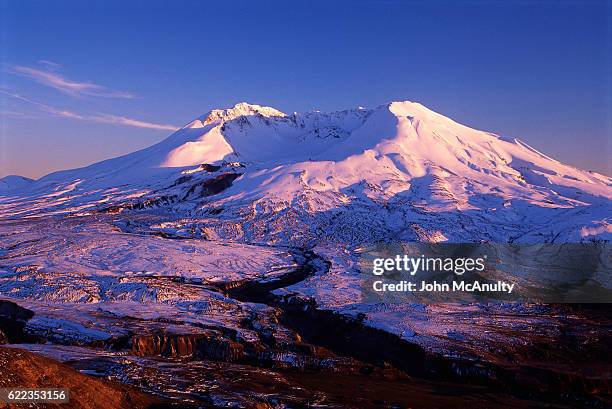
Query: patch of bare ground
(26,370)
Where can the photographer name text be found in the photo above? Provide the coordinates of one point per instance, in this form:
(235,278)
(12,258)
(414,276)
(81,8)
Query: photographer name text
(434,286)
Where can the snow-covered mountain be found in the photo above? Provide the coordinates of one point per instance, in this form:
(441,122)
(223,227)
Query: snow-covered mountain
(14,182)
(400,163)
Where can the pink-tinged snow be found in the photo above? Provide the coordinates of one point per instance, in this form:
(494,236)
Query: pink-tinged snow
(403,146)
(95,247)
(88,281)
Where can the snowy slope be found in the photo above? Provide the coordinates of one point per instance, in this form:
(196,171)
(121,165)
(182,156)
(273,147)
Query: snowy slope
(399,148)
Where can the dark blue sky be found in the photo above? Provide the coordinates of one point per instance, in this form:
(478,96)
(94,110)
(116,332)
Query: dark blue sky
(75,77)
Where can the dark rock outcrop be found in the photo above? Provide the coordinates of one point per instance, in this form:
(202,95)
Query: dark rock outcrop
(211,186)
(199,346)
(13,319)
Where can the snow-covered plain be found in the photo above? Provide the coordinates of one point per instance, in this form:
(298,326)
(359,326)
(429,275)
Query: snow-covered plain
(237,195)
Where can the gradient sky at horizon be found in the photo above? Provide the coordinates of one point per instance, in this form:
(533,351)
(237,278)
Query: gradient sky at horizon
(85,81)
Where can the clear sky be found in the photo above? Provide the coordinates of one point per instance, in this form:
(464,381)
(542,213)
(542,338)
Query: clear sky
(85,81)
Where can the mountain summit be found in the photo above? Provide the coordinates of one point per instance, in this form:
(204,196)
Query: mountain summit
(240,109)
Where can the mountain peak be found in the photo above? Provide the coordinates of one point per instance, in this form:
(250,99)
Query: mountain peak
(415,109)
(240,109)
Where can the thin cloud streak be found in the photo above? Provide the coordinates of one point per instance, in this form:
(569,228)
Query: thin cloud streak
(121,120)
(98,117)
(66,86)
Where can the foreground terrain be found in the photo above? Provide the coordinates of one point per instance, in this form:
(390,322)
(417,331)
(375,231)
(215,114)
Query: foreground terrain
(26,370)
(205,332)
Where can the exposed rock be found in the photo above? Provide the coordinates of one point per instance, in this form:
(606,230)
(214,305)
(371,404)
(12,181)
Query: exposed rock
(211,186)
(207,346)
(12,322)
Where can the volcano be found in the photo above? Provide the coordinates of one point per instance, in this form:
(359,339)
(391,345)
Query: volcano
(399,157)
